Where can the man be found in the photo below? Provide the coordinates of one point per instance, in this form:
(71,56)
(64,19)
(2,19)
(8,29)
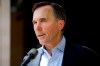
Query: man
(48,23)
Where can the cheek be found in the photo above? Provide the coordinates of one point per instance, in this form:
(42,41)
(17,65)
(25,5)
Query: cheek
(34,28)
(50,29)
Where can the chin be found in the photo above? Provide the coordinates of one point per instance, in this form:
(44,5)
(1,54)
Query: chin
(42,42)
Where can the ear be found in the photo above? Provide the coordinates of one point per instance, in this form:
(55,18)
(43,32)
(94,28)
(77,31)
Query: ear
(61,24)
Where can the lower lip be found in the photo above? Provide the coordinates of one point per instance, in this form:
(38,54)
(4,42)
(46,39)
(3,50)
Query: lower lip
(41,36)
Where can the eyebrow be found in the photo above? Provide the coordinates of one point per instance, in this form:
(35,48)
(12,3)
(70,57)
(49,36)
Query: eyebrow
(41,19)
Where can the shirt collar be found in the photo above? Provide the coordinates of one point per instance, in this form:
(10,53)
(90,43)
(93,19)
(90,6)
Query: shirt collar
(61,45)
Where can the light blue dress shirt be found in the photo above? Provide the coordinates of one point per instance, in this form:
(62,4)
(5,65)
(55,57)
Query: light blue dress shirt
(57,55)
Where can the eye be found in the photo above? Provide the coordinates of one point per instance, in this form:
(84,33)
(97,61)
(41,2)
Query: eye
(34,22)
(43,20)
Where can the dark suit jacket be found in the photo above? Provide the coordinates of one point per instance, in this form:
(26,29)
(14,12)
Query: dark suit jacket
(74,55)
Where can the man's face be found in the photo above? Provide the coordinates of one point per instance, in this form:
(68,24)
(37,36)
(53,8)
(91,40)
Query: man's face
(46,27)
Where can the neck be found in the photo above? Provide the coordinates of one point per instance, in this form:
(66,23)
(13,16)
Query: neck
(53,44)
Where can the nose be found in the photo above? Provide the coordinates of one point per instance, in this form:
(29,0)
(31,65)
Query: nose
(38,27)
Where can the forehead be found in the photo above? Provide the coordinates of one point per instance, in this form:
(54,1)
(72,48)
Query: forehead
(43,11)
(44,8)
